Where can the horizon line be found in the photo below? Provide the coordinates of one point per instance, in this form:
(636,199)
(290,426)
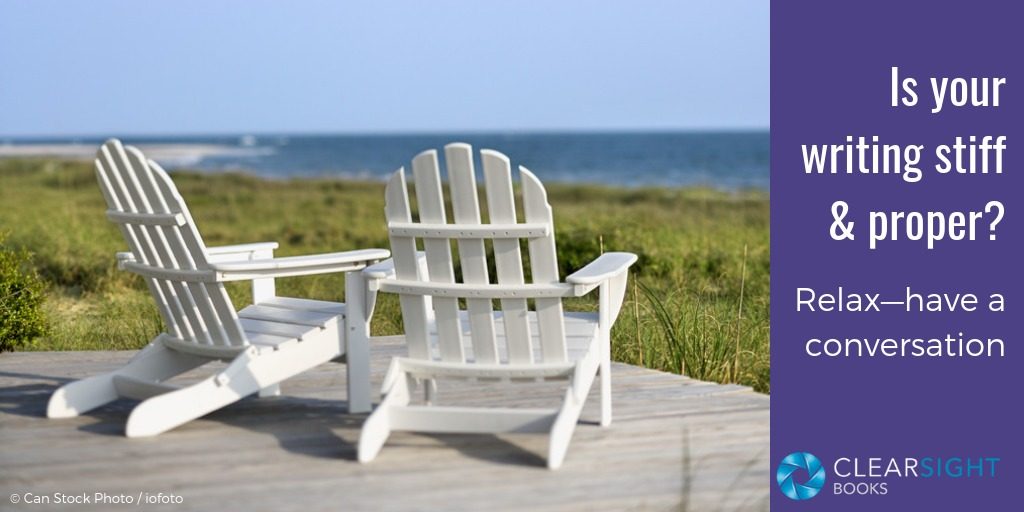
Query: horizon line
(391,133)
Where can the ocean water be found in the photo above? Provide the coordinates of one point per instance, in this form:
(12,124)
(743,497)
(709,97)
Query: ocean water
(726,160)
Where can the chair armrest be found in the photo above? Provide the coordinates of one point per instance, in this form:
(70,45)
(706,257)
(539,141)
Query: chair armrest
(259,250)
(382,270)
(297,265)
(124,257)
(606,266)
(221,253)
(241,248)
(386,268)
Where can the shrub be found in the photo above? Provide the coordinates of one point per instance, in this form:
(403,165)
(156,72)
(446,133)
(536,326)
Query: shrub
(21,300)
(576,248)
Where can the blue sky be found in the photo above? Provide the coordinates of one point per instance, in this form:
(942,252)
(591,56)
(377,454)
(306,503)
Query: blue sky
(183,67)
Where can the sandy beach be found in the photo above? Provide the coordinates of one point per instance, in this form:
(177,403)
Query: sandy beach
(177,154)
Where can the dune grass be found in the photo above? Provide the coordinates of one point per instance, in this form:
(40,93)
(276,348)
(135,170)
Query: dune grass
(701,306)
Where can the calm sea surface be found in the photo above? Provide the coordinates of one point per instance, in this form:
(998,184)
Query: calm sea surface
(727,160)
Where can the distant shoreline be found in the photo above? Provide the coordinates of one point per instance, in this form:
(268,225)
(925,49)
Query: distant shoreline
(180,154)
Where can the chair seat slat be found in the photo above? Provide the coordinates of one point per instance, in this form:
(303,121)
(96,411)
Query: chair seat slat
(276,328)
(294,304)
(465,419)
(286,316)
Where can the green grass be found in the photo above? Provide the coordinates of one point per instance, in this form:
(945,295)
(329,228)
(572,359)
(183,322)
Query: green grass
(702,307)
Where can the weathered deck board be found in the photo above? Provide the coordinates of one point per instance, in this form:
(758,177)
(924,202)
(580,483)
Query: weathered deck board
(676,444)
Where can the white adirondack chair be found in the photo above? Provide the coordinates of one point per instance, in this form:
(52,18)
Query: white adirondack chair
(480,343)
(265,343)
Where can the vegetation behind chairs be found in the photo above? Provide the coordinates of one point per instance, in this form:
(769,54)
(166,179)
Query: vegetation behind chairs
(21,299)
(702,307)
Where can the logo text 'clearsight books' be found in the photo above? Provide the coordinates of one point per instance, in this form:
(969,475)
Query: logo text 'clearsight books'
(801,475)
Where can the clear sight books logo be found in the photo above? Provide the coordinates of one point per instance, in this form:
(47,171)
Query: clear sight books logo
(801,475)
(795,466)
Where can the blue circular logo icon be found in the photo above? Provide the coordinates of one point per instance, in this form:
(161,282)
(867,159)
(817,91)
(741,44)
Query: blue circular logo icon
(794,467)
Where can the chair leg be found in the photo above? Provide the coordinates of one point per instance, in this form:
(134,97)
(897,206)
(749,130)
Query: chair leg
(155,362)
(605,319)
(262,290)
(374,434)
(164,412)
(562,429)
(357,343)
(81,396)
(606,393)
(377,427)
(569,414)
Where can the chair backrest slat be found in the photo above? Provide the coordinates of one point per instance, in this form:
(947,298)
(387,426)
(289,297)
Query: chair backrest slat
(403,252)
(430,201)
(544,269)
(142,198)
(508,260)
(472,253)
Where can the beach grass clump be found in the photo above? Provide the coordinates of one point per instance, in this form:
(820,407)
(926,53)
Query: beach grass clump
(697,303)
(21,299)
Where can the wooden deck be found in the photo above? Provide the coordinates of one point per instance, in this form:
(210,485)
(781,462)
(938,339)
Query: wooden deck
(675,444)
